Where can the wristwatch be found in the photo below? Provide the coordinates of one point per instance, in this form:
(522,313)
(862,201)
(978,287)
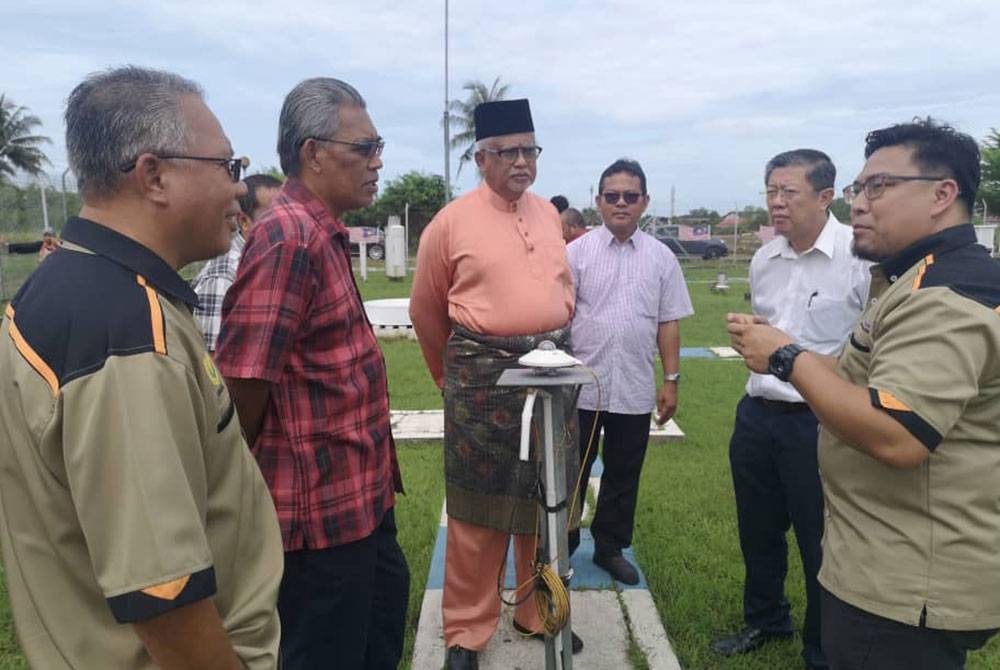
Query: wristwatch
(671,377)
(782,361)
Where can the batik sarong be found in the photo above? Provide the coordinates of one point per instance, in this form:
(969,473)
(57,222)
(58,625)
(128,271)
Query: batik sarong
(486,483)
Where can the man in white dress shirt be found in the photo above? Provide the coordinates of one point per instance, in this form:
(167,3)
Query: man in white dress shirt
(807,283)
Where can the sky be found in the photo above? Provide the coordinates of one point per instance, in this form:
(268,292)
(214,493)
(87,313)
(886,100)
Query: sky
(702,94)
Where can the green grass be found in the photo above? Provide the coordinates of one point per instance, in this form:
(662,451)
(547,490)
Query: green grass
(685,536)
(418,515)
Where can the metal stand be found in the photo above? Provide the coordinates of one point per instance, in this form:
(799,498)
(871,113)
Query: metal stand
(558,648)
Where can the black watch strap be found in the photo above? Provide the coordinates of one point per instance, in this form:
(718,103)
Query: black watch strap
(782,361)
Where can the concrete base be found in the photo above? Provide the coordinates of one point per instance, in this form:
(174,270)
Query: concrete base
(597,619)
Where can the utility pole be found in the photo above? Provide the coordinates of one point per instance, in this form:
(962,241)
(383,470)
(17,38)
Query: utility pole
(447,129)
(65,212)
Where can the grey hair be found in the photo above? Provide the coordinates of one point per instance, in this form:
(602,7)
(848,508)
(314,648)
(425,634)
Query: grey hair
(311,109)
(821,175)
(113,117)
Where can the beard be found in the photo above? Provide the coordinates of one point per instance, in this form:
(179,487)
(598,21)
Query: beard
(866,255)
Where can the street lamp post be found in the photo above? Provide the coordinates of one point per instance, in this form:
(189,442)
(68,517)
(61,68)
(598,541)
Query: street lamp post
(447,129)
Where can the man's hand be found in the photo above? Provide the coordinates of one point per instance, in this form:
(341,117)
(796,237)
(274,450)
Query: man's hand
(754,340)
(666,402)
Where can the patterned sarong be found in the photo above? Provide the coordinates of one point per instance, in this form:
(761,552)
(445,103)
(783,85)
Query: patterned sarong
(486,483)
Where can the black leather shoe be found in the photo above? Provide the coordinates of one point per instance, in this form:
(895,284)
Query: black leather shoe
(577,642)
(619,568)
(747,640)
(460,658)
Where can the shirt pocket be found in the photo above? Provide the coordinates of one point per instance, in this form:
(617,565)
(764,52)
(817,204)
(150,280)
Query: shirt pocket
(647,296)
(827,324)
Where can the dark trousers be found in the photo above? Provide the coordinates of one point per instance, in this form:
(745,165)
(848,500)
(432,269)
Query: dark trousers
(345,607)
(776,478)
(623,451)
(858,640)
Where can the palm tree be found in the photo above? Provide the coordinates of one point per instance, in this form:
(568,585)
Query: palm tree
(461,116)
(18,146)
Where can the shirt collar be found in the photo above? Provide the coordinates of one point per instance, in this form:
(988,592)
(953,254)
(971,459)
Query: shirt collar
(938,243)
(130,254)
(496,202)
(610,239)
(826,242)
(297,191)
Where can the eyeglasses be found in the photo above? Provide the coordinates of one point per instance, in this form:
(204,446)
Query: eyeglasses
(510,155)
(234,166)
(875,185)
(612,197)
(367,148)
(772,193)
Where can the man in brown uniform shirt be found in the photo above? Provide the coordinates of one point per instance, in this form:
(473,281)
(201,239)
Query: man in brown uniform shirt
(137,530)
(909,450)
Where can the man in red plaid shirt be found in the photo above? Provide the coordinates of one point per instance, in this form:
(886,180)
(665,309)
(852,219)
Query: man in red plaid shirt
(309,383)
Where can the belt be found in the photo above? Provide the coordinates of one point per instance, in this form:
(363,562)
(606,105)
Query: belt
(782,406)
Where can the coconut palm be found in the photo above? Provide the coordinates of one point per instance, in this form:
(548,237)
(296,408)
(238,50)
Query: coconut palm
(462,119)
(18,146)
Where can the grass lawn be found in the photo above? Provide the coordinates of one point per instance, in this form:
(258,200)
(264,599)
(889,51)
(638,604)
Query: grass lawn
(686,522)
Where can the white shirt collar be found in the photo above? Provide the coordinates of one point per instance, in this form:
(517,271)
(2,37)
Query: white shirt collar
(826,243)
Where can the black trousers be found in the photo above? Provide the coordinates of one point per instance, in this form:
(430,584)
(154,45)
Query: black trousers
(623,451)
(345,607)
(776,479)
(858,640)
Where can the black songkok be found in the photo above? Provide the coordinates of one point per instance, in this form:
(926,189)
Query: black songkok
(503,117)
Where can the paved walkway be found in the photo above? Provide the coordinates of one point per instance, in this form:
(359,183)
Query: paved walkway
(600,606)
(608,616)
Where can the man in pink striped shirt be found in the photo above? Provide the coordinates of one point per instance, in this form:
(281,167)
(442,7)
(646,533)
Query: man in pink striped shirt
(630,296)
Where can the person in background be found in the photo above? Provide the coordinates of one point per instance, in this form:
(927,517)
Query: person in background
(215,278)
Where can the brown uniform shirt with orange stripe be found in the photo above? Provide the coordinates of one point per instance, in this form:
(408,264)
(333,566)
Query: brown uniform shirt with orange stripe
(923,544)
(126,489)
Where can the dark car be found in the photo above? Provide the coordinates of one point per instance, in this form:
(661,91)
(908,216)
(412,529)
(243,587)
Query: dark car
(707,249)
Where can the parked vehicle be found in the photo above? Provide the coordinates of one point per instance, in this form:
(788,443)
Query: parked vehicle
(373,237)
(707,249)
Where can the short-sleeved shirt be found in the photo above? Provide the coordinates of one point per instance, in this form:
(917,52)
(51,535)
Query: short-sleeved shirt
(492,266)
(815,297)
(294,318)
(624,291)
(924,542)
(211,286)
(126,488)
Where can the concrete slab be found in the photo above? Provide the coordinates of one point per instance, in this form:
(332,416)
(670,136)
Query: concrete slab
(596,616)
(428,424)
(648,631)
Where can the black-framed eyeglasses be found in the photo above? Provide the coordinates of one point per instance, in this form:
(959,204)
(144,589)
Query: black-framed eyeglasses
(367,148)
(234,166)
(612,197)
(511,154)
(875,185)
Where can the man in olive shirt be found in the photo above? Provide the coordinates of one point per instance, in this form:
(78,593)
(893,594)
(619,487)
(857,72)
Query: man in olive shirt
(910,414)
(137,530)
